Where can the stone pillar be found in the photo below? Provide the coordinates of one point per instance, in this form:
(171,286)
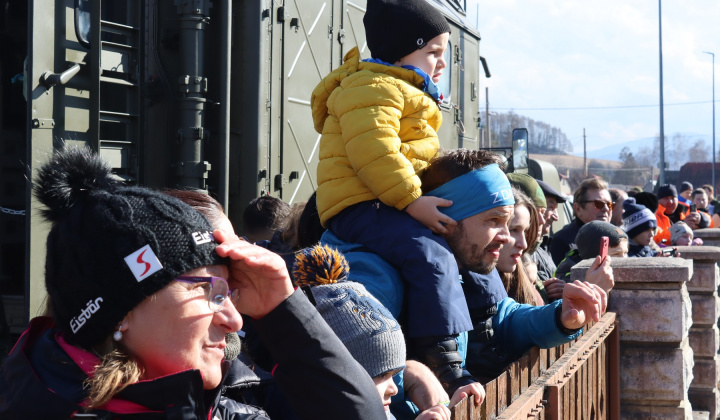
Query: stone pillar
(654,312)
(704,338)
(710,237)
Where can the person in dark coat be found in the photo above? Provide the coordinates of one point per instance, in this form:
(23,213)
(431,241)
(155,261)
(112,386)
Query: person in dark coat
(142,294)
(591,202)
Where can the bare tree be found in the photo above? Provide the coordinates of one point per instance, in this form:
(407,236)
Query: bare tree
(699,152)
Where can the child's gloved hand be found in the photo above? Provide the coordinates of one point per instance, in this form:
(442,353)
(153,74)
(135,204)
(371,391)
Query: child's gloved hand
(425,211)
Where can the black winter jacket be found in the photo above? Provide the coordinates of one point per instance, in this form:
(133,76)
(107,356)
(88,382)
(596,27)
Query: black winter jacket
(39,380)
(563,240)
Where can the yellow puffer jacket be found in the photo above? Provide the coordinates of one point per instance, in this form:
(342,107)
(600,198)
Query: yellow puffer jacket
(379,130)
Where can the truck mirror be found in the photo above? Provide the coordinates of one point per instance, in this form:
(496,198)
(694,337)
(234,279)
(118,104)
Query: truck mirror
(520,148)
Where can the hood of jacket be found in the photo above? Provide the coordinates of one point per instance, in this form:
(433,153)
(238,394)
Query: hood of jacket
(351,65)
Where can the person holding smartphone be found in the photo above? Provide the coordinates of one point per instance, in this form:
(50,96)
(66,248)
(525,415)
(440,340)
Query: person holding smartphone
(588,245)
(699,204)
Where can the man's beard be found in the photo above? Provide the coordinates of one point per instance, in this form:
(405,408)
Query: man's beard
(484,268)
(458,241)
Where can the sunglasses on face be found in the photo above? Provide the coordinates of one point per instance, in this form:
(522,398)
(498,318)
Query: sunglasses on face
(217,290)
(600,204)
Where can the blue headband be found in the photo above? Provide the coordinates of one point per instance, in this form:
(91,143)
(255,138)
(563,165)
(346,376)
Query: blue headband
(476,191)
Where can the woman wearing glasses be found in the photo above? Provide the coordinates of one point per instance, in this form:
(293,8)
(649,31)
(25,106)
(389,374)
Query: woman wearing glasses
(142,296)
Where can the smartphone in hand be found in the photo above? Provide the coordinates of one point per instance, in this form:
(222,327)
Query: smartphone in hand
(671,252)
(693,208)
(604,242)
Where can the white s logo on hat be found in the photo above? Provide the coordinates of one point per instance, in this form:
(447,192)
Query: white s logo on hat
(143,263)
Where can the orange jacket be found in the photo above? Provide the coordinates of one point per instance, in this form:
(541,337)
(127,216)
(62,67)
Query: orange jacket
(663,223)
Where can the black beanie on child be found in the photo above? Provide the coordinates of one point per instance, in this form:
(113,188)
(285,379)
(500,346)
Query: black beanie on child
(111,246)
(396,28)
(588,237)
(637,218)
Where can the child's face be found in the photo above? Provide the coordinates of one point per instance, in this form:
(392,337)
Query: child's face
(700,200)
(620,250)
(644,238)
(684,240)
(429,58)
(386,387)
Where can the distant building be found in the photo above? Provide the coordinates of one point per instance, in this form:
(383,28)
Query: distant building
(697,173)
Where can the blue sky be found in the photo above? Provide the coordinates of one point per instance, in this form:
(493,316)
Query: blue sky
(603,55)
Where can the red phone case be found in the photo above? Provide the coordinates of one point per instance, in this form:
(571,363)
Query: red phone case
(604,241)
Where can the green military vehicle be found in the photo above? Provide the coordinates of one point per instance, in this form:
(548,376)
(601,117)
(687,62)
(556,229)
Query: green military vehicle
(181,93)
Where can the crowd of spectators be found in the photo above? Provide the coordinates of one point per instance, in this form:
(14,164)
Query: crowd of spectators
(500,250)
(450,272)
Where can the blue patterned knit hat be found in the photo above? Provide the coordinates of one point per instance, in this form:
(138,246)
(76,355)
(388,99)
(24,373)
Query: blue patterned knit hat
(362,323)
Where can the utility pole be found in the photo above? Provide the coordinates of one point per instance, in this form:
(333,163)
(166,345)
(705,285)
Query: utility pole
(713,98)
(661,179)
(585,166)
(487,118)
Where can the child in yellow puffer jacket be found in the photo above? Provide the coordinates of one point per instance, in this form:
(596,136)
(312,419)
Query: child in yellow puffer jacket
(379,120)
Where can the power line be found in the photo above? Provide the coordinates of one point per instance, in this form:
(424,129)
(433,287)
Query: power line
(602,107)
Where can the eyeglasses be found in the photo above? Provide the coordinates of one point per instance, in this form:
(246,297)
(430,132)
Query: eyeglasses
(217,290)
(600,204)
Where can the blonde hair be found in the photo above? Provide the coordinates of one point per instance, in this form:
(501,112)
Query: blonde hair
(116,371)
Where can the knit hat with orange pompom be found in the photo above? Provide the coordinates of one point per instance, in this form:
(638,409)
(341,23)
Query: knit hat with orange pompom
(363,324)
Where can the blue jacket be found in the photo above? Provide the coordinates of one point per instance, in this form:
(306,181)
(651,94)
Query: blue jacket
(516,327)
(637,250)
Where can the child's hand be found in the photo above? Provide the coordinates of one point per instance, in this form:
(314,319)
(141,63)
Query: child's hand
(425,211)
(436,412)
(474,389)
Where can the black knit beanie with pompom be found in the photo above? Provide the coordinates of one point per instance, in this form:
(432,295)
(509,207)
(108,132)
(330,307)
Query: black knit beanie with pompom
(111,246)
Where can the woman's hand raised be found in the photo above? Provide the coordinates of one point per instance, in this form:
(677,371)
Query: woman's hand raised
(260,275)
